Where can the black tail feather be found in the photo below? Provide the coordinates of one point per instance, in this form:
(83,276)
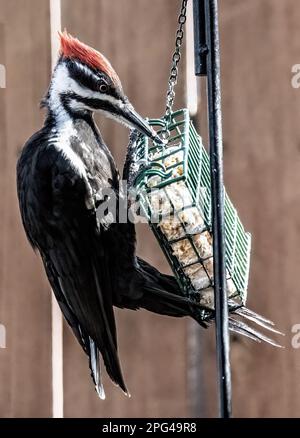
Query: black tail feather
(244,329)
(245,311)
(108,346)
(162,294)
(259,321)
(95,367)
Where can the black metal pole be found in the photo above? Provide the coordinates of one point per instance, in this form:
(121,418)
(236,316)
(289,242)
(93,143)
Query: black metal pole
(200,46)
(207,18)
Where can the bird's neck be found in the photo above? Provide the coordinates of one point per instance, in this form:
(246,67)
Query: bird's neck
(59,103)
(60,118)
(61,113)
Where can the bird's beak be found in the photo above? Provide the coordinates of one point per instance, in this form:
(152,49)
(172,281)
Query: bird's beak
(136,121)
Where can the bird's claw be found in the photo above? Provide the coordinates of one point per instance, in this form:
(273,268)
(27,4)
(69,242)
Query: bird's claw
(140,168)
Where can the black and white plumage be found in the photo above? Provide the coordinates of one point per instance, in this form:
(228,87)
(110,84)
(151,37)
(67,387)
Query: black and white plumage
(62,175)
(58,200)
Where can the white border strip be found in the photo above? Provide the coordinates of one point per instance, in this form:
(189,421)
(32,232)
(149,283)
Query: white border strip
(57,321)
(191,79)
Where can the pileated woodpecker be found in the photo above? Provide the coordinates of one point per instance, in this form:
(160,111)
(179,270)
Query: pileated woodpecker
(61,176)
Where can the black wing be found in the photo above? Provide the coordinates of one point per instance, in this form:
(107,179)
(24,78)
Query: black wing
(73,247)
(76,258)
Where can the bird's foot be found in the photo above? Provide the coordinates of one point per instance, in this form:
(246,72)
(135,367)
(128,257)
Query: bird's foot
(136,166)
(131,160)
(138,170)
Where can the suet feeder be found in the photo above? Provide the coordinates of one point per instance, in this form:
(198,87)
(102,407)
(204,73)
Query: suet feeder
(174,192)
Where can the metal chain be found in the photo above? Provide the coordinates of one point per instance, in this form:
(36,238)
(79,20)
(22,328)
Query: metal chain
(174,69)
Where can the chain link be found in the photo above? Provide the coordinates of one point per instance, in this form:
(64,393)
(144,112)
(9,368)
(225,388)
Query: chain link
(174,69)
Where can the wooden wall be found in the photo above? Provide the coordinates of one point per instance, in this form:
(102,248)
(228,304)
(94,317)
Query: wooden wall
(260,43)
(25,365)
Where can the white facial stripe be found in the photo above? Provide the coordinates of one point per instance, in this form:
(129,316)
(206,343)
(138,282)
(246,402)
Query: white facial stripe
(62,83)
(77,106)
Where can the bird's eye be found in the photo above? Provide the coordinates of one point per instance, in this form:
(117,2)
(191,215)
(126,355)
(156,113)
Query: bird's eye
(103,87)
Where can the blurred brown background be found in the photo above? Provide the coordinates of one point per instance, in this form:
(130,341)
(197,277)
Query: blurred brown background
(169,364)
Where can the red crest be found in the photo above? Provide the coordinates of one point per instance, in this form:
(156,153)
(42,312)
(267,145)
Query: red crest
(71,47)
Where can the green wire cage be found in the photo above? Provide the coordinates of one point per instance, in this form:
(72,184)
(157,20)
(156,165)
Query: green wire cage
(175,196)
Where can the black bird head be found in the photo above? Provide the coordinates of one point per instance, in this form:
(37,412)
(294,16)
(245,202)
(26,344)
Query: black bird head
(84,81)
